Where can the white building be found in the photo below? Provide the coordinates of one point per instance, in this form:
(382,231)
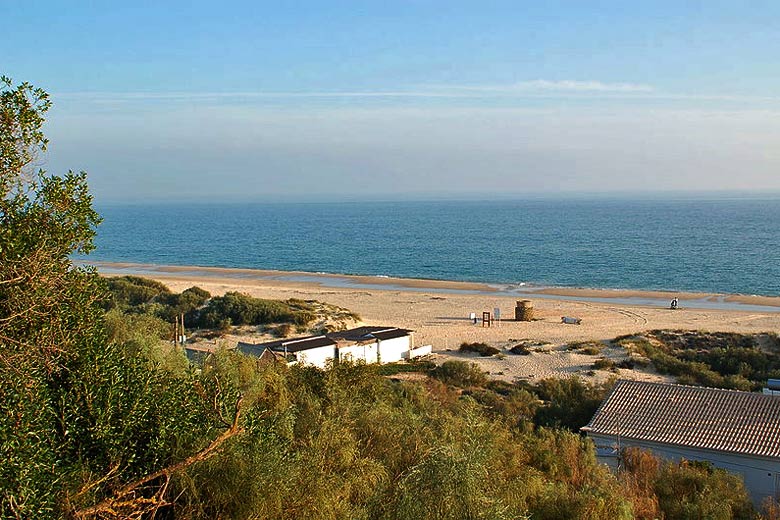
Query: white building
(368,344)
(311,350)
(736,431)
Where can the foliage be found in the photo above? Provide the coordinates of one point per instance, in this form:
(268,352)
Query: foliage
(136,295)
(513,406)
(683,489)
(590,348)
(80,416)
(569,403)
(483,349)
(131,291)
(720,360)
(421,365)
(48,307)
(460,373)
(604,364)
(242,309)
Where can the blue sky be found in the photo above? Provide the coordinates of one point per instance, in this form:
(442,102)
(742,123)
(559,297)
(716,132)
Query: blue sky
(288,100)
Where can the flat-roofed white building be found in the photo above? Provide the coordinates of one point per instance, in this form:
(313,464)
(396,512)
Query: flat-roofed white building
(367,344)
(736,431)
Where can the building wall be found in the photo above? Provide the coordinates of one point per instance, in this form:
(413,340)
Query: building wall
(318,357)
(367,353)
(419,351)
(761,474)
(385,351)
(392,350)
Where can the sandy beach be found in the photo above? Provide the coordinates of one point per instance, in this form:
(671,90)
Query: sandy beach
(438,312)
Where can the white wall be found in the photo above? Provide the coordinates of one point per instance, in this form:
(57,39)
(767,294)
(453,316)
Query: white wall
(761,474)
(392,350)
(316,356)
(419,351)
(367,353)
(385,351)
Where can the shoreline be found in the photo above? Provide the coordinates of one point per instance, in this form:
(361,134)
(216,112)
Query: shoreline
(439,313)
(642,298)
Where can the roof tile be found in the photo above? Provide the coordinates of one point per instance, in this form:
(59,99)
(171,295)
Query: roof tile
(707,418)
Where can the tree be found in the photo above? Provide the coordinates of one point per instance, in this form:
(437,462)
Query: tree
(86,430)
(47,306)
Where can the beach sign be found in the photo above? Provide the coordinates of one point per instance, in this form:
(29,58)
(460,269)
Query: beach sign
(497,313)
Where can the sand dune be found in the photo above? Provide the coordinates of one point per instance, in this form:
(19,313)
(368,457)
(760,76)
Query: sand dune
(440,318)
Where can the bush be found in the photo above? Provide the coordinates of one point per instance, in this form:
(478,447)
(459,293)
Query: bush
(570,403)
(460,373)
(418,365)
(591,348)
(520,350)
(603,364)
(128,291)
(723,360)
(243,309)
(684,489)
(282,331)
(516,405)
(483,349)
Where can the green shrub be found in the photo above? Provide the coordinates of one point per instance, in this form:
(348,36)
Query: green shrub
(128,291)
(460,373)
(243,309)
(590,348)
(483,349)
(521,350)
(282,331)
(422,366)
(569,403)
(724,360)
(604,364)
(693,490)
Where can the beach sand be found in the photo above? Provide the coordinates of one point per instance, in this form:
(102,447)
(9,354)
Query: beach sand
(439,316)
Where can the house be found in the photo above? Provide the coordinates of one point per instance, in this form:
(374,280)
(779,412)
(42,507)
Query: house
(736,431)
(368,344)
(374,344)
(311,350)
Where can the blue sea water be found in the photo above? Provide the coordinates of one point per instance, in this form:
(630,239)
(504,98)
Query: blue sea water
(723,246)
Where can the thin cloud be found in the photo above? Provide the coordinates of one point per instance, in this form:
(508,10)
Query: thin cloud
(532,89)
(184,96)
(543,85)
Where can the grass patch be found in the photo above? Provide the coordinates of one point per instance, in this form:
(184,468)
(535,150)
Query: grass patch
(423,366)
(590,348)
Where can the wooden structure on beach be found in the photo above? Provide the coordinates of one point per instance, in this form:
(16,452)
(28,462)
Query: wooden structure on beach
(524,310)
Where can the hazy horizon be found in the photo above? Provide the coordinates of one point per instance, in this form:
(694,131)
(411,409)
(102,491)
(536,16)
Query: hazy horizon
(623,196)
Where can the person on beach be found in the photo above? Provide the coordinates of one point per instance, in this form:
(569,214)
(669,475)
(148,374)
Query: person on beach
(673,305)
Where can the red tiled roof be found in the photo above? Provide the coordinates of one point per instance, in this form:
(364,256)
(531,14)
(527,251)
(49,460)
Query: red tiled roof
(708,418)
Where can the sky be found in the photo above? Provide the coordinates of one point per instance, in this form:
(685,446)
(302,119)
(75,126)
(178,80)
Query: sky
(330,100)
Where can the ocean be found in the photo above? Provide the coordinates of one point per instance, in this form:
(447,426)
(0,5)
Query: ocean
(718,245)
